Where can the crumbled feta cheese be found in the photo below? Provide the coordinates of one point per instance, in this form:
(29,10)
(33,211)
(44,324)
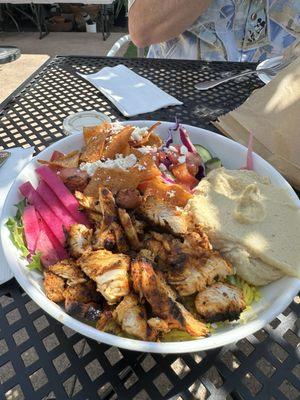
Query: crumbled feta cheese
(181,159)
(116,127)
(140,167)
(138,133)
(162,167)
(147,149)
(183,150)
(171,193)
(172,148)
(120,162)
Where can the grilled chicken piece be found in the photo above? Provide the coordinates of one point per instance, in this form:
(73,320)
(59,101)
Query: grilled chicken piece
(132,318)
(147,254)
(158,324)
(104,239)
(162,299)
(121,243)
(107,323)
(160,246)
(83,301)
(192,274)
(164,215)
(107,206)
(67,269)
(129,229)
(220,302)
(129,199)
(79,240)
(90,311)
(139,226)
(195,243)
(109,271)
(85,292)
(54,287)
(88,202)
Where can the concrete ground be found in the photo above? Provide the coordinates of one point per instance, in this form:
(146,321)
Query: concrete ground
(35,52)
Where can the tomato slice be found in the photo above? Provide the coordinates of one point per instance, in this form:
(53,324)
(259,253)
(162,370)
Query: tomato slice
(183,175)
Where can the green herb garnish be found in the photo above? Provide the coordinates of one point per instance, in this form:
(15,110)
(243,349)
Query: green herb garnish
(35,263)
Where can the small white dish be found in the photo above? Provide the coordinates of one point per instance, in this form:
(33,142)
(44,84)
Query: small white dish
(74,123)
(275,296)
(270,62)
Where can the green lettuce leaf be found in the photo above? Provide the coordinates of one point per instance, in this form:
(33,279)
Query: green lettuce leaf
(20,210)
(35,263)
(17,236)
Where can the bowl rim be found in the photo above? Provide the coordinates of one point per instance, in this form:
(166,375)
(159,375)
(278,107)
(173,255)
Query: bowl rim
(224,338)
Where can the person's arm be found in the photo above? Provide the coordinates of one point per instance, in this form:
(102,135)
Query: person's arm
(155,21)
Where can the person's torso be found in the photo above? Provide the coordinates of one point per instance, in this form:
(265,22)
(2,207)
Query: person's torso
(237,30)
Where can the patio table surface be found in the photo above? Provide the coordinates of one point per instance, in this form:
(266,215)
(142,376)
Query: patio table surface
(42,359)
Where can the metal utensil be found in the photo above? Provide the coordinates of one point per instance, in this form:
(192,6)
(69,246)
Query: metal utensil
(4,156)
(271,71)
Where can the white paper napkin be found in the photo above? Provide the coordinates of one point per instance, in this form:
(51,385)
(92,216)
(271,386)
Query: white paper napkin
(18,159)
(129,92)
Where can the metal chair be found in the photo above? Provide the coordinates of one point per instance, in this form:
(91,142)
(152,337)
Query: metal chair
(122,42)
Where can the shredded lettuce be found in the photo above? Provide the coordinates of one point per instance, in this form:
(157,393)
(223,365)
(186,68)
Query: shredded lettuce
(35,263)
(250,293)
(20,210)
(175,335)
(17,235)
(16,229)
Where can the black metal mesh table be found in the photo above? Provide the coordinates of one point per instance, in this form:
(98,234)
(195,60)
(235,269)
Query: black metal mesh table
(42,359)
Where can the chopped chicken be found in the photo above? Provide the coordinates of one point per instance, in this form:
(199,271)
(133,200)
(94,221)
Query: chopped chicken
(192,274)
(164,215)
(158,324)
(109,271)
(79,240)
(220,302)
(54,287)
(129,199)
(121,243)
(67,269)
(162,299)
(107,323)
(83,292)
(104,238)
(129,229)
(139,226)
(88,202)
(132,318)
(107,206)
(195,243)
(90,311)
(94,217)
(160,246)
(145,253)
(83,300)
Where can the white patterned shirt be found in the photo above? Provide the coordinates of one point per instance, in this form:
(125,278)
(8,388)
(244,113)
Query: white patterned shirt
(236,30)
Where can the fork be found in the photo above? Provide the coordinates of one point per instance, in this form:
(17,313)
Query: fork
(272,71)
(4,156)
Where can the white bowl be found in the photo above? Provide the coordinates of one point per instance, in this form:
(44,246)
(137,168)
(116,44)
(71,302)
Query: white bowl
(275,297)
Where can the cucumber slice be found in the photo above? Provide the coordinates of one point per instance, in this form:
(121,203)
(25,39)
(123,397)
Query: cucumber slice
(203,153)
(211,164)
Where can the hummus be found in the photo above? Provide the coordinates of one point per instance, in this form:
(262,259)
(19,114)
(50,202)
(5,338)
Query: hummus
(253,223)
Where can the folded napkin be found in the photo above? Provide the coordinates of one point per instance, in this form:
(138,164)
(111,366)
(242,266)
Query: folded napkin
(18,159)
(129,92)
(272,115)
